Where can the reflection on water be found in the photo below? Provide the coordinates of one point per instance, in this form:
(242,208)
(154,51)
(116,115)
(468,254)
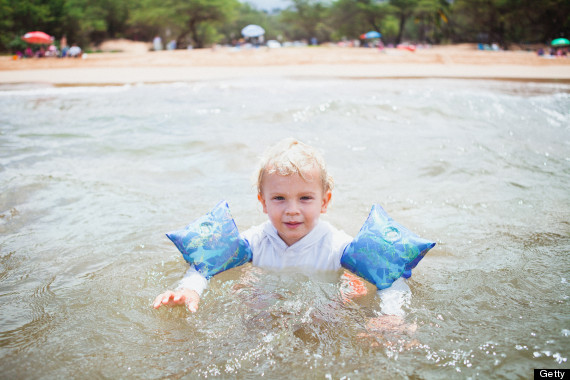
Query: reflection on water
(92,177)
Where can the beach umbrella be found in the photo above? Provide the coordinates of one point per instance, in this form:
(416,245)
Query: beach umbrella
(560,42)
(37,37)
(371,34)
(253,30)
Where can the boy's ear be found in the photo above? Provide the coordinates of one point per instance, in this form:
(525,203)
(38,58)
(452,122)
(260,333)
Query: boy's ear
(262,201)
(326,201)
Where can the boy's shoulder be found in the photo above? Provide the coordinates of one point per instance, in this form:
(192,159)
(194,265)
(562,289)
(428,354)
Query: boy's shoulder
(254,233)
(339,238)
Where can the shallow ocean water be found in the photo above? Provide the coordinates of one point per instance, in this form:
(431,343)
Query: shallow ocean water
(92,178)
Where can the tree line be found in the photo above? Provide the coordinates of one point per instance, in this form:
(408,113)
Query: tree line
(201,23)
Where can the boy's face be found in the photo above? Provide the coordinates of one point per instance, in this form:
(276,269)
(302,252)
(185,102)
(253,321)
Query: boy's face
(292,204)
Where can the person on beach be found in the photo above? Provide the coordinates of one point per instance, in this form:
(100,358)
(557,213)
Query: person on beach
(294,189)
(74,51)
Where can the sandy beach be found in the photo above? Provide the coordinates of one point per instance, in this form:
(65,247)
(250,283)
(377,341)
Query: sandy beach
(135,64)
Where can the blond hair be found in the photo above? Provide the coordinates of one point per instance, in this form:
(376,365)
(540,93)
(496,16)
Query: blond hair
(290,156)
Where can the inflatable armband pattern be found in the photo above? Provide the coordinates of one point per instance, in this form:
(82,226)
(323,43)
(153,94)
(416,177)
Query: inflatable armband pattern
(212,243)
(384,250)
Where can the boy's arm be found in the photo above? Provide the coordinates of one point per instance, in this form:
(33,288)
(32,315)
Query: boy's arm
(392,318)
(193,283)
(395,298)
(193,280)
(187,293)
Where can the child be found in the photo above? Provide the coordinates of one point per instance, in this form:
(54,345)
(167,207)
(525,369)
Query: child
(293,188)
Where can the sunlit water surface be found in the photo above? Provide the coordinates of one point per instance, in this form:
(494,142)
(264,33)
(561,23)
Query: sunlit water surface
(92,178)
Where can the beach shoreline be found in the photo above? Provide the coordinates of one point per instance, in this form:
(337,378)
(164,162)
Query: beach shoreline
(132,67)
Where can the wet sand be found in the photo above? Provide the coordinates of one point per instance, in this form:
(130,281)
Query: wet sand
(141,66)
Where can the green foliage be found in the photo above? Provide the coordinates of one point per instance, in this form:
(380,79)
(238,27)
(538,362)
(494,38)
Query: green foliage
(404,9)
(511,21)
(6,23)
(245,15)
(430,17)
(189,21)
(203,22)
(307,19)
(352,18)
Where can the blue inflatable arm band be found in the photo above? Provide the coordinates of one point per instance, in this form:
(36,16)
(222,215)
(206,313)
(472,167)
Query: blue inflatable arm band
(384,250)
(212,243)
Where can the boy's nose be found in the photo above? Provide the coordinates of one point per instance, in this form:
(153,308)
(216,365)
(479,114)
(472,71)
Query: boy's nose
(292,208)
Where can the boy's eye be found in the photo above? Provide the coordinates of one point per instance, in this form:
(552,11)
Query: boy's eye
(306,198)
(278,198)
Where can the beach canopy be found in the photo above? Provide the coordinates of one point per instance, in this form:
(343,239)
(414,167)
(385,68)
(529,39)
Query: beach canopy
(37,37)
(371,34)
(560,42)
(253,30)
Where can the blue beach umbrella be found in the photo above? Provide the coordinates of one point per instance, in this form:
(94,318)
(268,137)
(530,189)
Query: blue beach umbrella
(560,42)
(371,34)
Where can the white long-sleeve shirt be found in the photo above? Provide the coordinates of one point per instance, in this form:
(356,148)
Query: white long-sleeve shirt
(320,249)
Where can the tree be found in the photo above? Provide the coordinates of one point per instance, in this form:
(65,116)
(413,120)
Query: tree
(194,18)
(431,15)
(90,21)
(347,19)
(351,18)
(537,21)
(403,10)
(19,17)
(374,13)
(204,21)
(246,14)
(307,19)
(6,25)
(480,20)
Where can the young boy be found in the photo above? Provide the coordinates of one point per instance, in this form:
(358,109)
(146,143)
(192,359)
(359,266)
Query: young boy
(293,188)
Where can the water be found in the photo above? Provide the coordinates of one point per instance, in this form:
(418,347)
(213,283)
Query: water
(92,178)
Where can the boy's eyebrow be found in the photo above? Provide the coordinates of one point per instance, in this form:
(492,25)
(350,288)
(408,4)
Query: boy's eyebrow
(308,193)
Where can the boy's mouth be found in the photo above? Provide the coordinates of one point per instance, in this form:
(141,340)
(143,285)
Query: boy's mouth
(292,225)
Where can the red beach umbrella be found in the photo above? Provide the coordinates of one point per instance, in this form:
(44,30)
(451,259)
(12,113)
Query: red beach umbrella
(37,37)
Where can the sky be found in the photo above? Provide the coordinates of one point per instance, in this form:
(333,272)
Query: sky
(268,4)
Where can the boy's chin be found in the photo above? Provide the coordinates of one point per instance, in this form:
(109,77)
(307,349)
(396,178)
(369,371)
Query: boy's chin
(291,239)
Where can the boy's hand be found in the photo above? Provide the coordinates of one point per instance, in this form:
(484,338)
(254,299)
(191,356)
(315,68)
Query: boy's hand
(351,286)
(178,297)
